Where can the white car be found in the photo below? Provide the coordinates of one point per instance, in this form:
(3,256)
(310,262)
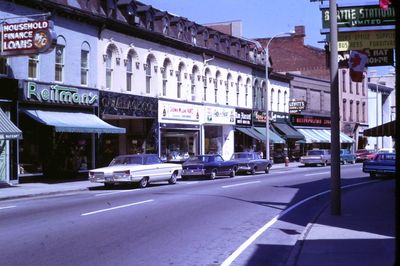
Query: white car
(316,156)
(139,168)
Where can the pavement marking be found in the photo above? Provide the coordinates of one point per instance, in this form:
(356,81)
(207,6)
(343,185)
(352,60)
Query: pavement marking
(7,207)
(241,184)
(117,207)
(320,173)
(260,231)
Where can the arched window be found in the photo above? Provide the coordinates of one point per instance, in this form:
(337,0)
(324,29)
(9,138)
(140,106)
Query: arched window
(167,68)
(85,50)
(272,99)
(238,85)
(110,65)
(59,53)
(195,72)
(179,80)
(351,110)
(149,66)
(263,92)
(129,71)
(278,102)
(247,92)
(33,68)
(216,81)
(285,99)
(344,110)
(207,76)
(228,83)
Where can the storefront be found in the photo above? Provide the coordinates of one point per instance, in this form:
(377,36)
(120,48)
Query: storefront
(179,130)
(244,139)
(219,130)
(317,133)
(60,129)
(138,115)
(281,125)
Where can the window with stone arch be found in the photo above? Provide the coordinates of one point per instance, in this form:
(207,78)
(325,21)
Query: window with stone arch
(272,98)
(278,101)
(109,58)
(131,58)
(216,84)
(227,86)
(85,53)
(150,62)
(263,92)
(193,81)
(167,68)
(246,98)
(206,81)
(60,59)
(285,101)
(179,78)
(256,94)
(238,85)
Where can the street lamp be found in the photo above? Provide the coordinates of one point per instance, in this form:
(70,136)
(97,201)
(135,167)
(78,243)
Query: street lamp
(267,155)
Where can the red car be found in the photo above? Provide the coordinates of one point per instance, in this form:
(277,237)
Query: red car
(365,154)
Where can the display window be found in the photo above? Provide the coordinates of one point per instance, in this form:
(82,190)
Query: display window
(213,139)
(178,146)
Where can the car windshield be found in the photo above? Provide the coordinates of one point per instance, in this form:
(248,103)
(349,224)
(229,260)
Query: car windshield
(200,159)
(315,152)
(242,156)
(121,160)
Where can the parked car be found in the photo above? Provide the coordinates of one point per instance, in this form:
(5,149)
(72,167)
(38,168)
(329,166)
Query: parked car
(365,154)
(139,168)
(251,162)
(386,150)
(316,156)
(383,163)
(347,157)
(210,165)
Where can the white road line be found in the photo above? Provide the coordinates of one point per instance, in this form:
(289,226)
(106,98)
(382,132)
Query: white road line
(320,173)
(7,207)
(117,207)
(241,184)
(260,231)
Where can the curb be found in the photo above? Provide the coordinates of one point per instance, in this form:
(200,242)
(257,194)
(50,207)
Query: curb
(41,194)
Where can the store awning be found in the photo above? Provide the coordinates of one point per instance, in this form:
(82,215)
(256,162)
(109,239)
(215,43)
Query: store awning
(249,132)
(75,122)
(287,131)
(7,129)
(387,129)
(322,136)
(274,138)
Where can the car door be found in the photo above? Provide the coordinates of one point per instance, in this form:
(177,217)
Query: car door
(156,171)
(220,165)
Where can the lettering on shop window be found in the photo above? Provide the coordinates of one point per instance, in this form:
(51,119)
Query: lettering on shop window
(128,105)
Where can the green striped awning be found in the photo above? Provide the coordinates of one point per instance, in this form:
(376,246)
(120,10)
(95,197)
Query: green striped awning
(7,129)
(312,135)
(273,137)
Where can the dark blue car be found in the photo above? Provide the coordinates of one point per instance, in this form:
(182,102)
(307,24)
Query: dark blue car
(209,166)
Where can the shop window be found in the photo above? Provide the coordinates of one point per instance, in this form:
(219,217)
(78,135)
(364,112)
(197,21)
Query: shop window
(213,139)
(33,63)
(177,146)
(59,67)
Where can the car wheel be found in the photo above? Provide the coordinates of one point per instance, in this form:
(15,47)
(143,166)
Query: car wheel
(253,171)
(213,175)
(233,173)
(143,182)
(172,180)
(267,169)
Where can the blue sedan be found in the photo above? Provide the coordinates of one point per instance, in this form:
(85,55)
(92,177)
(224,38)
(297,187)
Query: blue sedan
(209,166)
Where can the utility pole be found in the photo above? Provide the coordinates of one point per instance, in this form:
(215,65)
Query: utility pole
(335,123)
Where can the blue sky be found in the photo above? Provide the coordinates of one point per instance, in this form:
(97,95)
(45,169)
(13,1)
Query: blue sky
(260,18)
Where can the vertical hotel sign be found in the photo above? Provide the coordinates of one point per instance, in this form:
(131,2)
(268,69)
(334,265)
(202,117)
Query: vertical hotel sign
(25,38)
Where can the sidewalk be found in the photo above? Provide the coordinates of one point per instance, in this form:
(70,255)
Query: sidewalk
(364,233)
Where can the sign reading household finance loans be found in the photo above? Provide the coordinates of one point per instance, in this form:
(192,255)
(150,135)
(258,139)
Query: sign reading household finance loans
(25,38)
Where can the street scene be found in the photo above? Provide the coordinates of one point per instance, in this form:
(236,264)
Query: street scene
(185,133)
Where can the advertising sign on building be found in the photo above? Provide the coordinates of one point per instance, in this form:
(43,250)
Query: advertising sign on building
(24,38)
(179,112)
(59,94)
(259,118)
(296,106)
(219,115)
(376,57)
(310,120)
(359,40)
(243,117)
(360,16)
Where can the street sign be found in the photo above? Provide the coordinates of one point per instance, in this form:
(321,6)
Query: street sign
(360,16)
(359,40)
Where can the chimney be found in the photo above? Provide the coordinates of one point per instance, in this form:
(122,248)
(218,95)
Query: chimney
(299,31)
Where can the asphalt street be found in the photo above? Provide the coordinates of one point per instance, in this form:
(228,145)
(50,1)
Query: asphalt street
(195,222)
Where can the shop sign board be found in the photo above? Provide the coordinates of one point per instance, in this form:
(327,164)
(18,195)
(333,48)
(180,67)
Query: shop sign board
(174,112)
(310,120)
(219,115)
(360,16)
(25,38)
(120,104)
(244,117)
(359,40)
(278,116)
(259,118)
(296,106)
(376,57)
(59,94)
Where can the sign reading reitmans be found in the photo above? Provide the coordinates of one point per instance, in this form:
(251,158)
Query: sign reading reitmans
(24,38)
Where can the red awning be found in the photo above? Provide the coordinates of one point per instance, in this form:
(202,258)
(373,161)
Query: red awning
(387,129)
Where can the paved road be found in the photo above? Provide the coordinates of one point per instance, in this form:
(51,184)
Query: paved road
(196,222)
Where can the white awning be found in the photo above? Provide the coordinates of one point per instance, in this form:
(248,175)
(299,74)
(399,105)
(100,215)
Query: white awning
(312,135)
(7,129)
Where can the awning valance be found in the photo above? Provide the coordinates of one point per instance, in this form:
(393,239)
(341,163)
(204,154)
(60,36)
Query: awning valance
(273,137)
(322,136)
(287,131)
(7,129)
(76,122)
(387,129)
